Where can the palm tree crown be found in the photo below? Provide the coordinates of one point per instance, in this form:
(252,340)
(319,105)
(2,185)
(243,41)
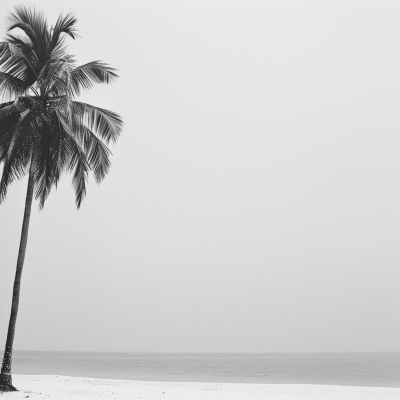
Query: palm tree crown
(42,127)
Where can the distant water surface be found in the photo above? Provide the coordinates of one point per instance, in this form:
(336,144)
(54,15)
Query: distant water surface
(357,369)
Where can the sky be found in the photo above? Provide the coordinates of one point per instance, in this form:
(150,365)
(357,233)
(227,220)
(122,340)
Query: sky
(253,203)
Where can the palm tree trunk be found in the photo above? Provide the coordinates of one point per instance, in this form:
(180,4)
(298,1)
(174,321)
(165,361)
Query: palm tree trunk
(5,375)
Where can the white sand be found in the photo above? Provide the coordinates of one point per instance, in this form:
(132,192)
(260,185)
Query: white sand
(62,387)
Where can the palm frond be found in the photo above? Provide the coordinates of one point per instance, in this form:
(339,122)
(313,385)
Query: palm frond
(19,40)
(106,124)
(65,24)
(19,151)
(85,76)
(6,109)
(98,155)
(6,104)
(9,117)
(34,25)
(43,177)
(15,63)
(26,47)
(10,86)
(50,158)
(77,160)
(51,73)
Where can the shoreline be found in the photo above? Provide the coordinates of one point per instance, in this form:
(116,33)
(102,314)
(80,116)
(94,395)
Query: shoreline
(210,379)
(342,369)
(65,387)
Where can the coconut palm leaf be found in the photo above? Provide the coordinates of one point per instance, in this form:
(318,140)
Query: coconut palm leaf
(64,24)
(106,124)
(98,154)
(6,132)
(13,61)
(85,76)
(34,25)
(10,85)
(44,177)
(19,66)
(77,160)
(18,150)
(51,74)
(7,109)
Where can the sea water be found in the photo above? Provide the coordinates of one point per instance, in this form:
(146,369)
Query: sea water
(360,369)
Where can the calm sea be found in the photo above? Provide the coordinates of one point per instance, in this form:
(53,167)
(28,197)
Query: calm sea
(361,369)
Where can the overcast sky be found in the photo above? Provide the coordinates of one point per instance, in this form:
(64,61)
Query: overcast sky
(253,203)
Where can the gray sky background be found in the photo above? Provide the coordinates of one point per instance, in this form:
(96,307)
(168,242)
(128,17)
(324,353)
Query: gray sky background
(253,203)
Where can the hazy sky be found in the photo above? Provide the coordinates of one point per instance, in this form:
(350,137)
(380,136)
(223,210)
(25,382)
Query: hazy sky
(253,204)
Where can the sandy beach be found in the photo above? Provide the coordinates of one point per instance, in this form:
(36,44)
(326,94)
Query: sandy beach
(63,387)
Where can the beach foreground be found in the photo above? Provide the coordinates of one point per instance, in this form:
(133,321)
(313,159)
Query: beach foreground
(64,387)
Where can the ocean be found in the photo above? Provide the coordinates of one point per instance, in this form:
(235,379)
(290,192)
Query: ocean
(356,369)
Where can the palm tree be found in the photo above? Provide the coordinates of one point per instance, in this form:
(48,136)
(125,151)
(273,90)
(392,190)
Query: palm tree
(43,130)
